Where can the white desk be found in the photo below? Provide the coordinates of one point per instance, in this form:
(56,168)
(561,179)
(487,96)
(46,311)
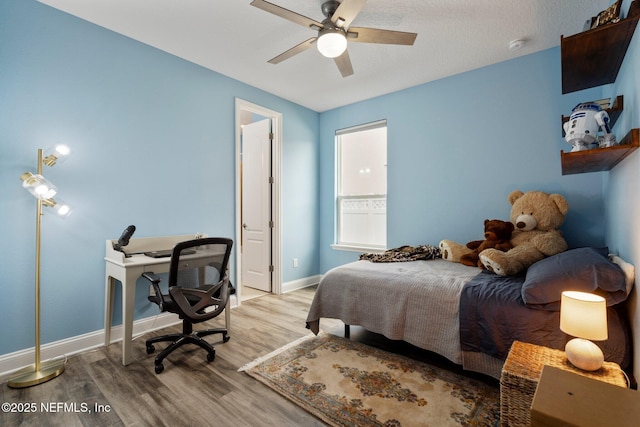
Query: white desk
(127,271)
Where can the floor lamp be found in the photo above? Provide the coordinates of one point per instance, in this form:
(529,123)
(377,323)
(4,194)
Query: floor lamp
(44,192)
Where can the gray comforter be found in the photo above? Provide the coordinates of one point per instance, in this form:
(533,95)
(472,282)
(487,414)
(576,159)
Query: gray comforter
(417,302)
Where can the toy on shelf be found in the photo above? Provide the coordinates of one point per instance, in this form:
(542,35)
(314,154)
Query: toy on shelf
(586,120)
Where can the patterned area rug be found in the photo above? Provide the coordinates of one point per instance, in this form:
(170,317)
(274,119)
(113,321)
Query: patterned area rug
(346,383)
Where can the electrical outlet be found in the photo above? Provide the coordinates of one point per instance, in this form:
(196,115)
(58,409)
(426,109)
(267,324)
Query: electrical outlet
(295,263)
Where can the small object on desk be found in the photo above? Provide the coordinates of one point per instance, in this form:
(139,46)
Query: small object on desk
(124,239)
(521,374)
(166,253)
(566,399)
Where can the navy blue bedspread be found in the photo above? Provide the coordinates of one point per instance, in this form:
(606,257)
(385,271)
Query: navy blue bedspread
(493,315)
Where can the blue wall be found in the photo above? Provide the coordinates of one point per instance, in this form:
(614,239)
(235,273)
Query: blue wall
(458,146)
(153,143)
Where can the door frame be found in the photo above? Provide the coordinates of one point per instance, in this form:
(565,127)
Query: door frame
(276,215)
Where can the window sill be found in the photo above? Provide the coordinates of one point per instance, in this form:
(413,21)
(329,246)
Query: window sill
(356,248)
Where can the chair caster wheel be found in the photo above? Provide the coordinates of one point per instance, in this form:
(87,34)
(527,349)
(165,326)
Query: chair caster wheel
(226,338)
(159,368)
(150,349)
(211,357)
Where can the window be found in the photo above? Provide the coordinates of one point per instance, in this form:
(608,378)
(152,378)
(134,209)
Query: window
(361,190)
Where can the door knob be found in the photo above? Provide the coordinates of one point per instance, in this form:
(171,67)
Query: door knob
(244,226)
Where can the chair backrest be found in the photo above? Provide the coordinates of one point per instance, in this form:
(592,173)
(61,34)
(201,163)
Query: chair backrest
(198,276)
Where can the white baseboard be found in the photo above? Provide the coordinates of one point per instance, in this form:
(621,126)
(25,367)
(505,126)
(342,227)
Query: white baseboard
(11,362)
(305,282)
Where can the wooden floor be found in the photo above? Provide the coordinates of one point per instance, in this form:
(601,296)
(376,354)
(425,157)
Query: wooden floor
(97,390)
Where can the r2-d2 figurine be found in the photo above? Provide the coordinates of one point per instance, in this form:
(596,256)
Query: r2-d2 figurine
(581,130)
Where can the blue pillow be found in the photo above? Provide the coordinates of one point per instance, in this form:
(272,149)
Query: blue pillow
(581,269)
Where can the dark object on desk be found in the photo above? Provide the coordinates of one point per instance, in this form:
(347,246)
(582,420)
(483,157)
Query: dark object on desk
(124,239)
(167,253)
(194,285)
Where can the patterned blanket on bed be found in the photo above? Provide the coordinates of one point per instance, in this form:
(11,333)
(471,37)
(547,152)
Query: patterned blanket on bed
(404,253)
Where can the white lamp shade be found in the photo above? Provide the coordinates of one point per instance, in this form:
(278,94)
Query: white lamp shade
(63,210)
(583,315)
(332,43)
(59,206)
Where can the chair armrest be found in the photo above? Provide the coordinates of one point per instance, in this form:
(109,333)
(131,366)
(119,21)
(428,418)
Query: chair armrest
(158,298)
(152,277)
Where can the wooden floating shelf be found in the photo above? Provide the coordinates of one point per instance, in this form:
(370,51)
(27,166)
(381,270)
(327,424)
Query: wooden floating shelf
(600,159)
(593,58)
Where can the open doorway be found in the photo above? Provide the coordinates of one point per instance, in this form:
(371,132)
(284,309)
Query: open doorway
(258,184)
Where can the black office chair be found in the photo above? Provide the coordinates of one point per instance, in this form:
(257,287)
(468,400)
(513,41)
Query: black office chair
(198,291)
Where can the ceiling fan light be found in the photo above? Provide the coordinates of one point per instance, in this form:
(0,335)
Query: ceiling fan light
(332,43)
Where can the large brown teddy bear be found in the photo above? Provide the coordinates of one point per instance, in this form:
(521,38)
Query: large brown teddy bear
(497,235)
(537,217)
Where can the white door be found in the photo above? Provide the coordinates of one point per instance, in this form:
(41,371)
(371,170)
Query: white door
(256,205)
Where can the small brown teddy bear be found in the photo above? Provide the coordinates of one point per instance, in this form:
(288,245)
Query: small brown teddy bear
(497,235)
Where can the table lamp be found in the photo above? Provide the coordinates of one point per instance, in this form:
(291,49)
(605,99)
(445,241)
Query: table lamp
(584,316)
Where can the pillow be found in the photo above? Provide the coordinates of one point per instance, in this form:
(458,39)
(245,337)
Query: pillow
(581,269)
(628,269)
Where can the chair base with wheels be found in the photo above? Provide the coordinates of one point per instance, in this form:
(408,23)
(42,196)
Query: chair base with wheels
(188,336)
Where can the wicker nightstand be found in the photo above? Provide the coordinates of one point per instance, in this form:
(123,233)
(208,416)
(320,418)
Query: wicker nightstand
(521,373)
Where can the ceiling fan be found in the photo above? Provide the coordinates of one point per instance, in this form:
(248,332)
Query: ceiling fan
(334,31)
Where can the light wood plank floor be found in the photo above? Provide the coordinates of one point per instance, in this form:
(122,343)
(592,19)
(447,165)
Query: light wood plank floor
(190,391)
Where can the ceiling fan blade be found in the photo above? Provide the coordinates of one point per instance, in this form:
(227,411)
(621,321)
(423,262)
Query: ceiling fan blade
(374,35)
(346,12)
(344,64)
(293,51)
(287,14)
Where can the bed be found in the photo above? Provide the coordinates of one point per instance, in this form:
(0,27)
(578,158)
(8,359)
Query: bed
(470,316)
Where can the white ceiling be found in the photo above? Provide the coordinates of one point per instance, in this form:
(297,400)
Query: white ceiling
(236,39)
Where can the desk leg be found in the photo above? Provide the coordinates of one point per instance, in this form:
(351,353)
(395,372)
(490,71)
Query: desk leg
(108,308)
(128,302)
